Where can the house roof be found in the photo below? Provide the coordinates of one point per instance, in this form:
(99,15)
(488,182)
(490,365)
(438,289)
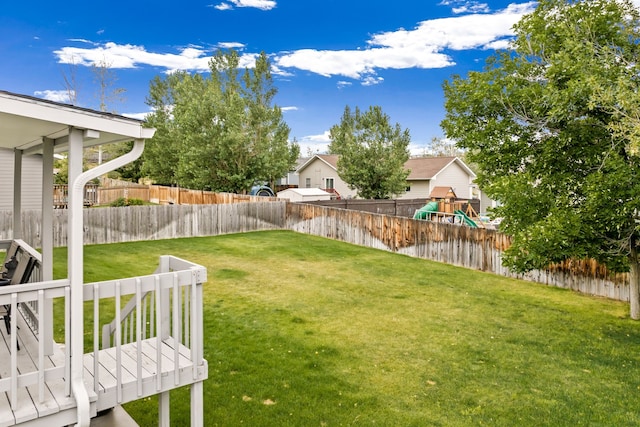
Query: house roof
(26,120)
(422,168)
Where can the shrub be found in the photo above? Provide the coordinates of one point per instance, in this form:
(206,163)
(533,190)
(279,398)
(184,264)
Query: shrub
(126,202)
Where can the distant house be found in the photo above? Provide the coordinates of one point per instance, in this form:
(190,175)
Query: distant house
(291,178)
(31,188)
(426,173)
(320,171)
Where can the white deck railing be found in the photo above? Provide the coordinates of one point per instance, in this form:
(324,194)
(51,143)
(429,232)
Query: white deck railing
(166,304)
(35,295)
(162,311)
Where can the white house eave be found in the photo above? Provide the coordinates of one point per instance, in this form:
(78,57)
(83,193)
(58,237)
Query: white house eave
(460,163)
(52,120)
(311,160)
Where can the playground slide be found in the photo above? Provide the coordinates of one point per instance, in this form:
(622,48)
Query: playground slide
(466,219)
(423,212)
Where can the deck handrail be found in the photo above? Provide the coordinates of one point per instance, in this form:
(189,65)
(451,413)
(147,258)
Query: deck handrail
(109,329)
(167,264)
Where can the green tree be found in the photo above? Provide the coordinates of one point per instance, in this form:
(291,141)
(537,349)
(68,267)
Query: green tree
(372,153)
(221,132)
(161,156)
(551,125)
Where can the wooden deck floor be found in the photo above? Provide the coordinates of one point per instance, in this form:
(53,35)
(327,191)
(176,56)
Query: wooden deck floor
(135,382)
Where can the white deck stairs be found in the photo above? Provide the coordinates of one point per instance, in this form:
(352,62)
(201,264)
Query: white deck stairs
(152,346)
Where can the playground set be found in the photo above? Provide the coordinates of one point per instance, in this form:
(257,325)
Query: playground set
(446,207)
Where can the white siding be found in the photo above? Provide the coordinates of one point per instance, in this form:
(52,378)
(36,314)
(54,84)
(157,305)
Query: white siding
(318,171)
(486,203)
(31,181)
(456,177)
(419,190)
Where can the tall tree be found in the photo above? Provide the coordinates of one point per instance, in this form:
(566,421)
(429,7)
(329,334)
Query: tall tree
(552,125)
(108,94)
(443,147)
(221,132)
(372,153)
(161,154)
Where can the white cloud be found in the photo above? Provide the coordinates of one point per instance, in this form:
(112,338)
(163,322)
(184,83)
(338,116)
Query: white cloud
(498,44)
(131,56)
(422,47)
(372,81)
(138,116)
(314,144)
(53,95)
(458,33)
(284,109)
(470,7)
(359,63)
(258,4)
(343,83)
(223,6)
(81,41)
(465,6)
(231,45)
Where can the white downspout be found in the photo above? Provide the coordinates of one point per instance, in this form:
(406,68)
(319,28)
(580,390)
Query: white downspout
(76,272)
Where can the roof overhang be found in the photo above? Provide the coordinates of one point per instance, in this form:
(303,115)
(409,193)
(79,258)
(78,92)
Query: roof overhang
(26,121)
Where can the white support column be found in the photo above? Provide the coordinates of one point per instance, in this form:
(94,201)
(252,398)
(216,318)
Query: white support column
(75,261)
(47,210)
(17,194)
(164,418)
(197,344)
(197,404)
(47,239)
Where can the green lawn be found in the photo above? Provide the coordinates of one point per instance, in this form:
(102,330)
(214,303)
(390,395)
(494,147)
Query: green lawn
(305,331)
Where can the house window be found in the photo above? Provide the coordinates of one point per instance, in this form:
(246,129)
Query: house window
(408,188)
(328,183)
(307,182)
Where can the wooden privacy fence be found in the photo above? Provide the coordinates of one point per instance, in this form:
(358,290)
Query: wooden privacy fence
(136,223)
(171,195)
(395,207)
(182,196)
(475,248)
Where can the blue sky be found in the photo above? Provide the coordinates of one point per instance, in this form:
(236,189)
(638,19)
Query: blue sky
(326,54)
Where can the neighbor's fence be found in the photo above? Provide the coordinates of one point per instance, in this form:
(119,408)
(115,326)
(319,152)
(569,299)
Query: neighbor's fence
(112,190)
(394,207)
(479,248)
